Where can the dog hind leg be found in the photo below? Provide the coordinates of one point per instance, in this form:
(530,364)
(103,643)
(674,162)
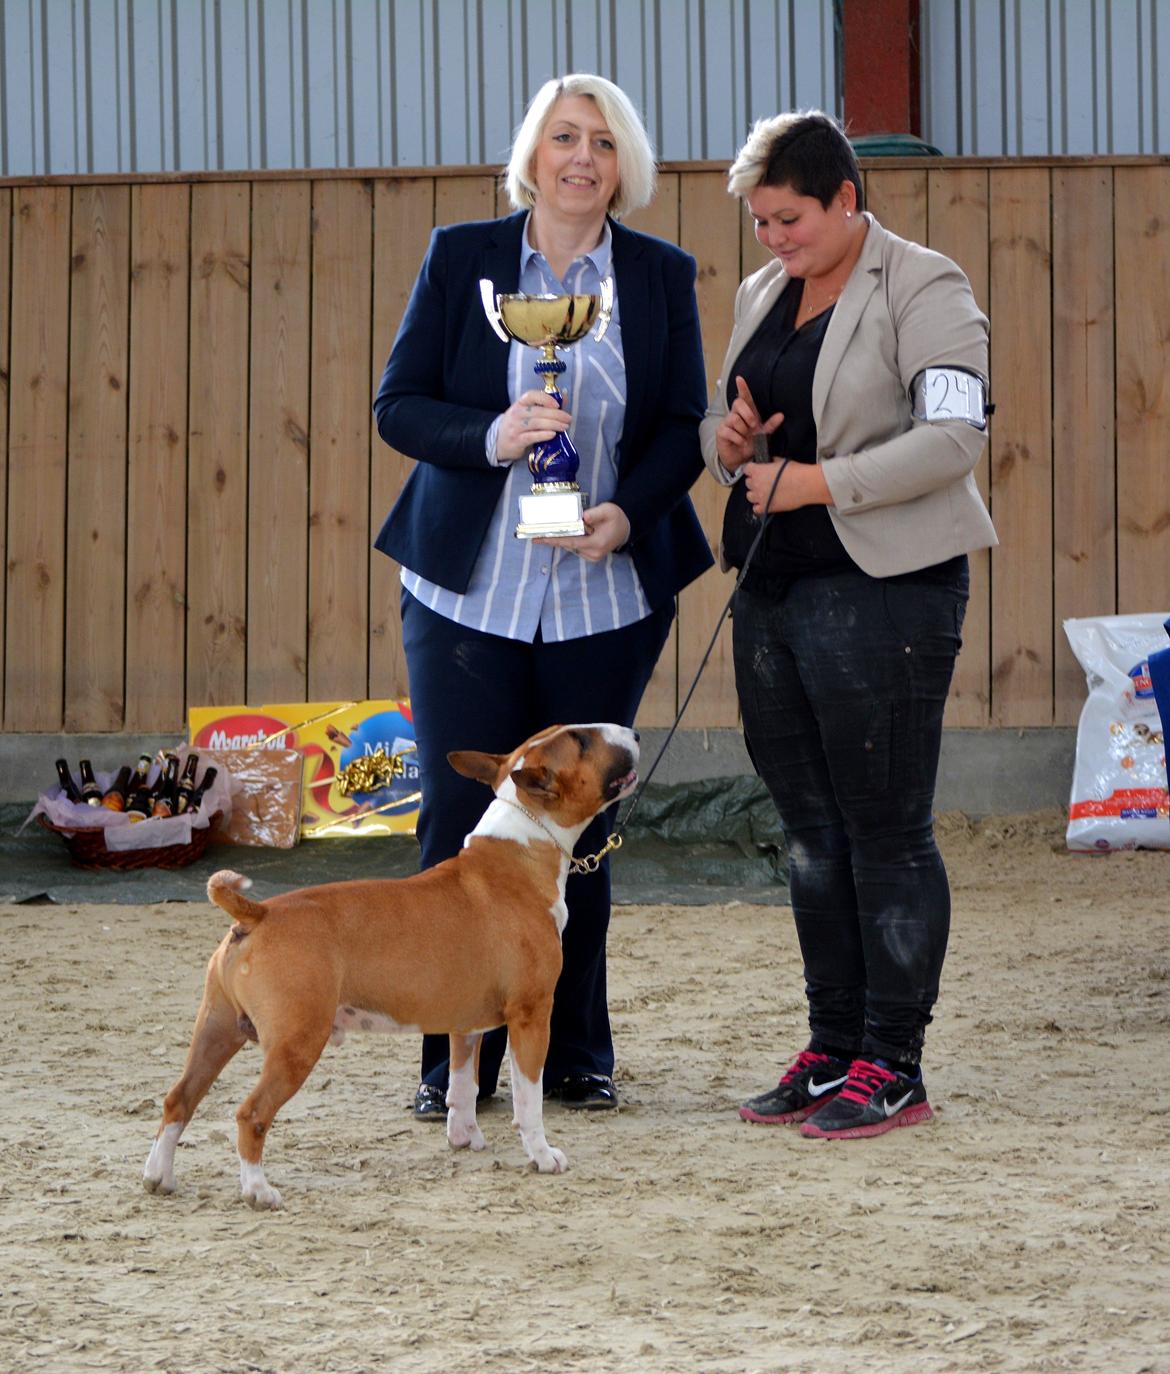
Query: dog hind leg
(215,1039)
(527,1049)
(463,1083)
(287,1063)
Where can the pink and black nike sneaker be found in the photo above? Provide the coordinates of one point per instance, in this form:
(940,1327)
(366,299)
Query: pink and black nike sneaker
(808,1083)
(873,1100)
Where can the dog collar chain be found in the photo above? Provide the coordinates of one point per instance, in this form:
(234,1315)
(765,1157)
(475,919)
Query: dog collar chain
(587,863)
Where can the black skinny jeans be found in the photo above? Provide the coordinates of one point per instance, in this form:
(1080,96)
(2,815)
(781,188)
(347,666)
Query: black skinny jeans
(842,682)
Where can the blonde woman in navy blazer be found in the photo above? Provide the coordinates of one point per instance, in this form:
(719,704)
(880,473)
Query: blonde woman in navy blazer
(503,636)
(848,619)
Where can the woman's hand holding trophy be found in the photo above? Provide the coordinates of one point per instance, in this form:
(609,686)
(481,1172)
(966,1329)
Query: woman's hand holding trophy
(607,527)
(533,418)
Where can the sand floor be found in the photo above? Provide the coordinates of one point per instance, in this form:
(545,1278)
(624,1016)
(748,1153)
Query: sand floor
(1026,1229)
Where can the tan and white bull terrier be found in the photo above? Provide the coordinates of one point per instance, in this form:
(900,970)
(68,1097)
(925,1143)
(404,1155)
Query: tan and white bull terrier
(470,944)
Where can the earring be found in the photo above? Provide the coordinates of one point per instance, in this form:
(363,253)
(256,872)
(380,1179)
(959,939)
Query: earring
(848,214)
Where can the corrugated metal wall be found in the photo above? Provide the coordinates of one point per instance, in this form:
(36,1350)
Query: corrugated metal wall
(194,85)
(1046,77)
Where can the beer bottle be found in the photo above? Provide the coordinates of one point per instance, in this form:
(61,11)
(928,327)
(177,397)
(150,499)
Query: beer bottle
(141,792)
(186,784)
(163,802)
(68,786)
(117,794)
(91,793)
(197,796)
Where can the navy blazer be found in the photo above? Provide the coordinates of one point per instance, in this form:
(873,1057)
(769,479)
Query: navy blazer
(446,381)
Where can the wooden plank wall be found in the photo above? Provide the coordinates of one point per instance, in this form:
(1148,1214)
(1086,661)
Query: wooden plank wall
(191,479)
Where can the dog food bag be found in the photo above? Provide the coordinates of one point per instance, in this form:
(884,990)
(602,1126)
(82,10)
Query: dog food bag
(1119,793)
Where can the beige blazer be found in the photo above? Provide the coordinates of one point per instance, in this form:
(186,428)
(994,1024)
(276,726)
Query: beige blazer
(903,491)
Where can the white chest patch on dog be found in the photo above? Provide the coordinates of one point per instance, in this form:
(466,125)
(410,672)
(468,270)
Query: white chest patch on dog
(348,1019)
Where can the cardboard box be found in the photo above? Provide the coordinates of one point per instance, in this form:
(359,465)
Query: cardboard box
(360,771)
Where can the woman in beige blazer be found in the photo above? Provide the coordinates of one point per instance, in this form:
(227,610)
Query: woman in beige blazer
(850,413)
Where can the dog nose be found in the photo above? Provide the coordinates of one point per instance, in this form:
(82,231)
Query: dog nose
(637,737)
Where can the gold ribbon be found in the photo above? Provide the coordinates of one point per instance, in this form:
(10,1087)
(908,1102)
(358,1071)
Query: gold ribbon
(369,772)
(355,818)
(300,725)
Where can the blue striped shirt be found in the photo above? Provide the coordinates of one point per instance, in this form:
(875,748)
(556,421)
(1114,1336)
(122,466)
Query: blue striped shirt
(517,586)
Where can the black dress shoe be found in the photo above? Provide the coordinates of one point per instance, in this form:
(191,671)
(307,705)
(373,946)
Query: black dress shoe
(430,1103)
(591,1092)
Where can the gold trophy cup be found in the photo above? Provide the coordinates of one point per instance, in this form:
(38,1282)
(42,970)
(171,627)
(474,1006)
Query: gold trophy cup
(556,503)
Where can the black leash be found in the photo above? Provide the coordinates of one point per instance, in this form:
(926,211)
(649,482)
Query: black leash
(615,839)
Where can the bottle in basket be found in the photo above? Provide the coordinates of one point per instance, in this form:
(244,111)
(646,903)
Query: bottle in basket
(165,789)
(118,793)
(141,795)
(186,784)
(91,793)
(197,796)
(68,786)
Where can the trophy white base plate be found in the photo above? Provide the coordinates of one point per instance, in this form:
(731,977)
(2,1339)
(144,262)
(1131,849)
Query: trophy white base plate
(551,515)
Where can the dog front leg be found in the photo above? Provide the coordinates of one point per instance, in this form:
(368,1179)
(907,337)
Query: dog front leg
(462,1086)
(527,1047)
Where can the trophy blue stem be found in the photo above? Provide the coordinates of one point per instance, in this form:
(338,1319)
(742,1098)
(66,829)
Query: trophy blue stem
(556,460)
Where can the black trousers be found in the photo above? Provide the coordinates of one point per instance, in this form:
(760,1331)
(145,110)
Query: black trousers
(470,690)
(842,682)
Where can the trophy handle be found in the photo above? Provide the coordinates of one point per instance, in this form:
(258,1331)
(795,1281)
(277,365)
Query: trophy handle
(487,294)
(606,293)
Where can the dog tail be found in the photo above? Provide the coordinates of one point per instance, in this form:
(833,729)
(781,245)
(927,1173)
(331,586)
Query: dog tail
(224,889)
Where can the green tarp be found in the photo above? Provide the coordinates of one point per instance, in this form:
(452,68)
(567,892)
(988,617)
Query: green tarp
(688,844)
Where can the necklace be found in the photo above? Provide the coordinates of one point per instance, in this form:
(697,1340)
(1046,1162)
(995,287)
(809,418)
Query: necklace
(810,308)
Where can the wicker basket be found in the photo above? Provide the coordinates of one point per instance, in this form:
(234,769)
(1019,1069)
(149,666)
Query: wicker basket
(87,849)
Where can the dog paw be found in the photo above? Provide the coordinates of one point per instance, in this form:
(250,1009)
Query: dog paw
(263,1197)
(255,1189)
(462,1135)
(158,1174)
(550,1160)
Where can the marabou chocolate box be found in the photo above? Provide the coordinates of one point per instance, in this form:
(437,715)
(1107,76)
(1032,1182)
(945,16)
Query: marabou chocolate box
(360,774)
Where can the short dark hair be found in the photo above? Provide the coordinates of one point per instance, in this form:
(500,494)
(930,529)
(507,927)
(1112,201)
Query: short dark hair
(807,151)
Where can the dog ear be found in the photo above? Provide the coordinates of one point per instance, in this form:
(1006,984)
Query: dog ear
(472,764)
(537,782)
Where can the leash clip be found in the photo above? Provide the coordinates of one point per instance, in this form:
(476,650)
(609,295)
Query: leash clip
(590,863)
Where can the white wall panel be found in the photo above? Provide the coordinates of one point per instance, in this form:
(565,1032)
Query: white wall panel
(149,85)
(191,85)
(1007,78)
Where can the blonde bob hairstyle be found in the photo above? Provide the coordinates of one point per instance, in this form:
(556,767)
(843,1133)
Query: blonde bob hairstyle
(635,155)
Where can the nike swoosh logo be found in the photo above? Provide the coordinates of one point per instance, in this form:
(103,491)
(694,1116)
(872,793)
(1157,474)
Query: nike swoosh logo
(816,1089)
(891,1107)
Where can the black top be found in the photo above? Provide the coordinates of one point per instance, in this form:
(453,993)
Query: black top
(778,363)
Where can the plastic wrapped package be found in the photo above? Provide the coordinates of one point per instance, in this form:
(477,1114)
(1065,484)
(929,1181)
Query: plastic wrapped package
(1119,794)
(266,795)
(1160,682)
